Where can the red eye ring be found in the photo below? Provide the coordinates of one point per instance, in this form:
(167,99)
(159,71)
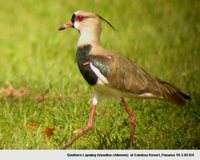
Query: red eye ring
(80,18)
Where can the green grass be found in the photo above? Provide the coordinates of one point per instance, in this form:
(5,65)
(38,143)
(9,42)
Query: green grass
(161,36)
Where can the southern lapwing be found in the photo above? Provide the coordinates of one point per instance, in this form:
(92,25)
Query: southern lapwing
(111,74)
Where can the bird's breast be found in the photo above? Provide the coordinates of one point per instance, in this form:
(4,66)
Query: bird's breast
(83,60)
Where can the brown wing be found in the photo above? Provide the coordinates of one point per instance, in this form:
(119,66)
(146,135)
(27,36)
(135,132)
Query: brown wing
(129,77)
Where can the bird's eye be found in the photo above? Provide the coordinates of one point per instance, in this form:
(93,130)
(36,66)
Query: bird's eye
(80,18)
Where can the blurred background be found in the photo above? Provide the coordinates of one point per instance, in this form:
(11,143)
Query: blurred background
(44,101)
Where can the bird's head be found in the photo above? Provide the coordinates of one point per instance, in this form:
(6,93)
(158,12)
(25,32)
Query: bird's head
(84,20)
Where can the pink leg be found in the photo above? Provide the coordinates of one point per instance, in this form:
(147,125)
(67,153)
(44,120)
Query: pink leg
(85,130)
(132,119)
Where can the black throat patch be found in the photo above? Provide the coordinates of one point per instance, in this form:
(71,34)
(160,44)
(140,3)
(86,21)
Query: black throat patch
(83,60)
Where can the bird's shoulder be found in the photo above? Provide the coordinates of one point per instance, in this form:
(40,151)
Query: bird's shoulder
(113,59)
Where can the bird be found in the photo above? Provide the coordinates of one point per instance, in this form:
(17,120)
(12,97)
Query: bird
(113,75)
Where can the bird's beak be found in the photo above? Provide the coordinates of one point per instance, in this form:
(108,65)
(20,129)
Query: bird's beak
(67,25)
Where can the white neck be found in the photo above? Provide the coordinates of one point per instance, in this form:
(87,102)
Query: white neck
(89,36)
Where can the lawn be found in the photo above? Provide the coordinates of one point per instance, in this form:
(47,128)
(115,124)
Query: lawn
(44,101)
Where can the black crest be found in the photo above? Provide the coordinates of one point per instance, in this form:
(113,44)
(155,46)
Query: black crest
(103,19)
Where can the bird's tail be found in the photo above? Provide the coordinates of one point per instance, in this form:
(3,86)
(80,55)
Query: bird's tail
(172,93)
